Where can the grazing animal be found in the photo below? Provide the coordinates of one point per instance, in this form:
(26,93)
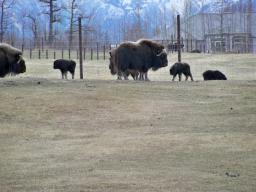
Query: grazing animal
(195,51)
(179,69)
(213,75)
(137,56)
(64,66)
(11,61)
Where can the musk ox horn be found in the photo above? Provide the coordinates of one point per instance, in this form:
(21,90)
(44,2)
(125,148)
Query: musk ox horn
(163,52)
(20,59)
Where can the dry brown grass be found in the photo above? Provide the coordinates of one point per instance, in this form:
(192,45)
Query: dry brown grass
(105,135)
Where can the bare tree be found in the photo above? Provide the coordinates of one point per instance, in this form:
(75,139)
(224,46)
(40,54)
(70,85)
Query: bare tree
(187,18)
(71,8)
(53,10)
(137,11)
(34,28)
(5,6)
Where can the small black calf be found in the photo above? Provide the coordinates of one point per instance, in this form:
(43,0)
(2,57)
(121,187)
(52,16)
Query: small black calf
(179,69)
(64,66)
(213,75)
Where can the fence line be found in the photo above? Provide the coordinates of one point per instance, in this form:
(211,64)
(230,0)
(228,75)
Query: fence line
(88,54)
(99,50)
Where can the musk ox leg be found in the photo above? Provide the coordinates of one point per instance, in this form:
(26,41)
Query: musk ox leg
(73,75)
(119,75)
(125,76)
(146,77)
(62,75)
(135,75)
(191,77)
(141,78)
(173,79)
(180,77)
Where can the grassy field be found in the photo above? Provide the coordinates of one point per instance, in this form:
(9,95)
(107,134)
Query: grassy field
(99,134)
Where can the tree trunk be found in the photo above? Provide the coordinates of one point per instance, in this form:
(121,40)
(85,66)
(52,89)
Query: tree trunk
(51,23)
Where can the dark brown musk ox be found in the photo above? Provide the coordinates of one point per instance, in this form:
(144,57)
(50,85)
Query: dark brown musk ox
(138,56)
(11,61)
(179,69)
(195,51)
(64,66)
(213,75)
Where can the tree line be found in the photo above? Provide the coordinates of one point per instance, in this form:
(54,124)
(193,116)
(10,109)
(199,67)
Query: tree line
(45,19)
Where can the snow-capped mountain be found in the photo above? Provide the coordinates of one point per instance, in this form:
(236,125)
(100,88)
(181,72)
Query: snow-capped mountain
(110,14)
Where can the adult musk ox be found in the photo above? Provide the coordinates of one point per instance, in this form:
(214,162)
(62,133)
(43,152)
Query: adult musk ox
(179,69)
(11,61)
(137,56)
(64,66)
(214,75)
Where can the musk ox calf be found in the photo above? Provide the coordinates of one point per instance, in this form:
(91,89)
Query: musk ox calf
(64,66)
(195,51)
(137,56)
(213,75)
(179,69)
(11,61)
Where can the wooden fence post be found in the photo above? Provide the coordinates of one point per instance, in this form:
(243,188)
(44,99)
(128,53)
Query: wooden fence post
(97,51)
(104,52)
(191,44)
(42,44)
(47,54)
(80,48)
(30,53)
(39,54)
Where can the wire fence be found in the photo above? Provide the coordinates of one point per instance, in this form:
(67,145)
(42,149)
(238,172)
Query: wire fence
(100,50)
(88,54)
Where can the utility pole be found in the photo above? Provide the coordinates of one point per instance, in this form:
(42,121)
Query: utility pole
(178,38)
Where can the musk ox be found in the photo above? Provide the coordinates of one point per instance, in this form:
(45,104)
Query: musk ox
(11,61)
(137,56)
(195,51)
(64,66)
(214,75)
(179,69)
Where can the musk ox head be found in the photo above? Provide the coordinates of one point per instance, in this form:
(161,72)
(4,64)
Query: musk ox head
(112,64)
(19,67)
(160,61)
(11,60)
